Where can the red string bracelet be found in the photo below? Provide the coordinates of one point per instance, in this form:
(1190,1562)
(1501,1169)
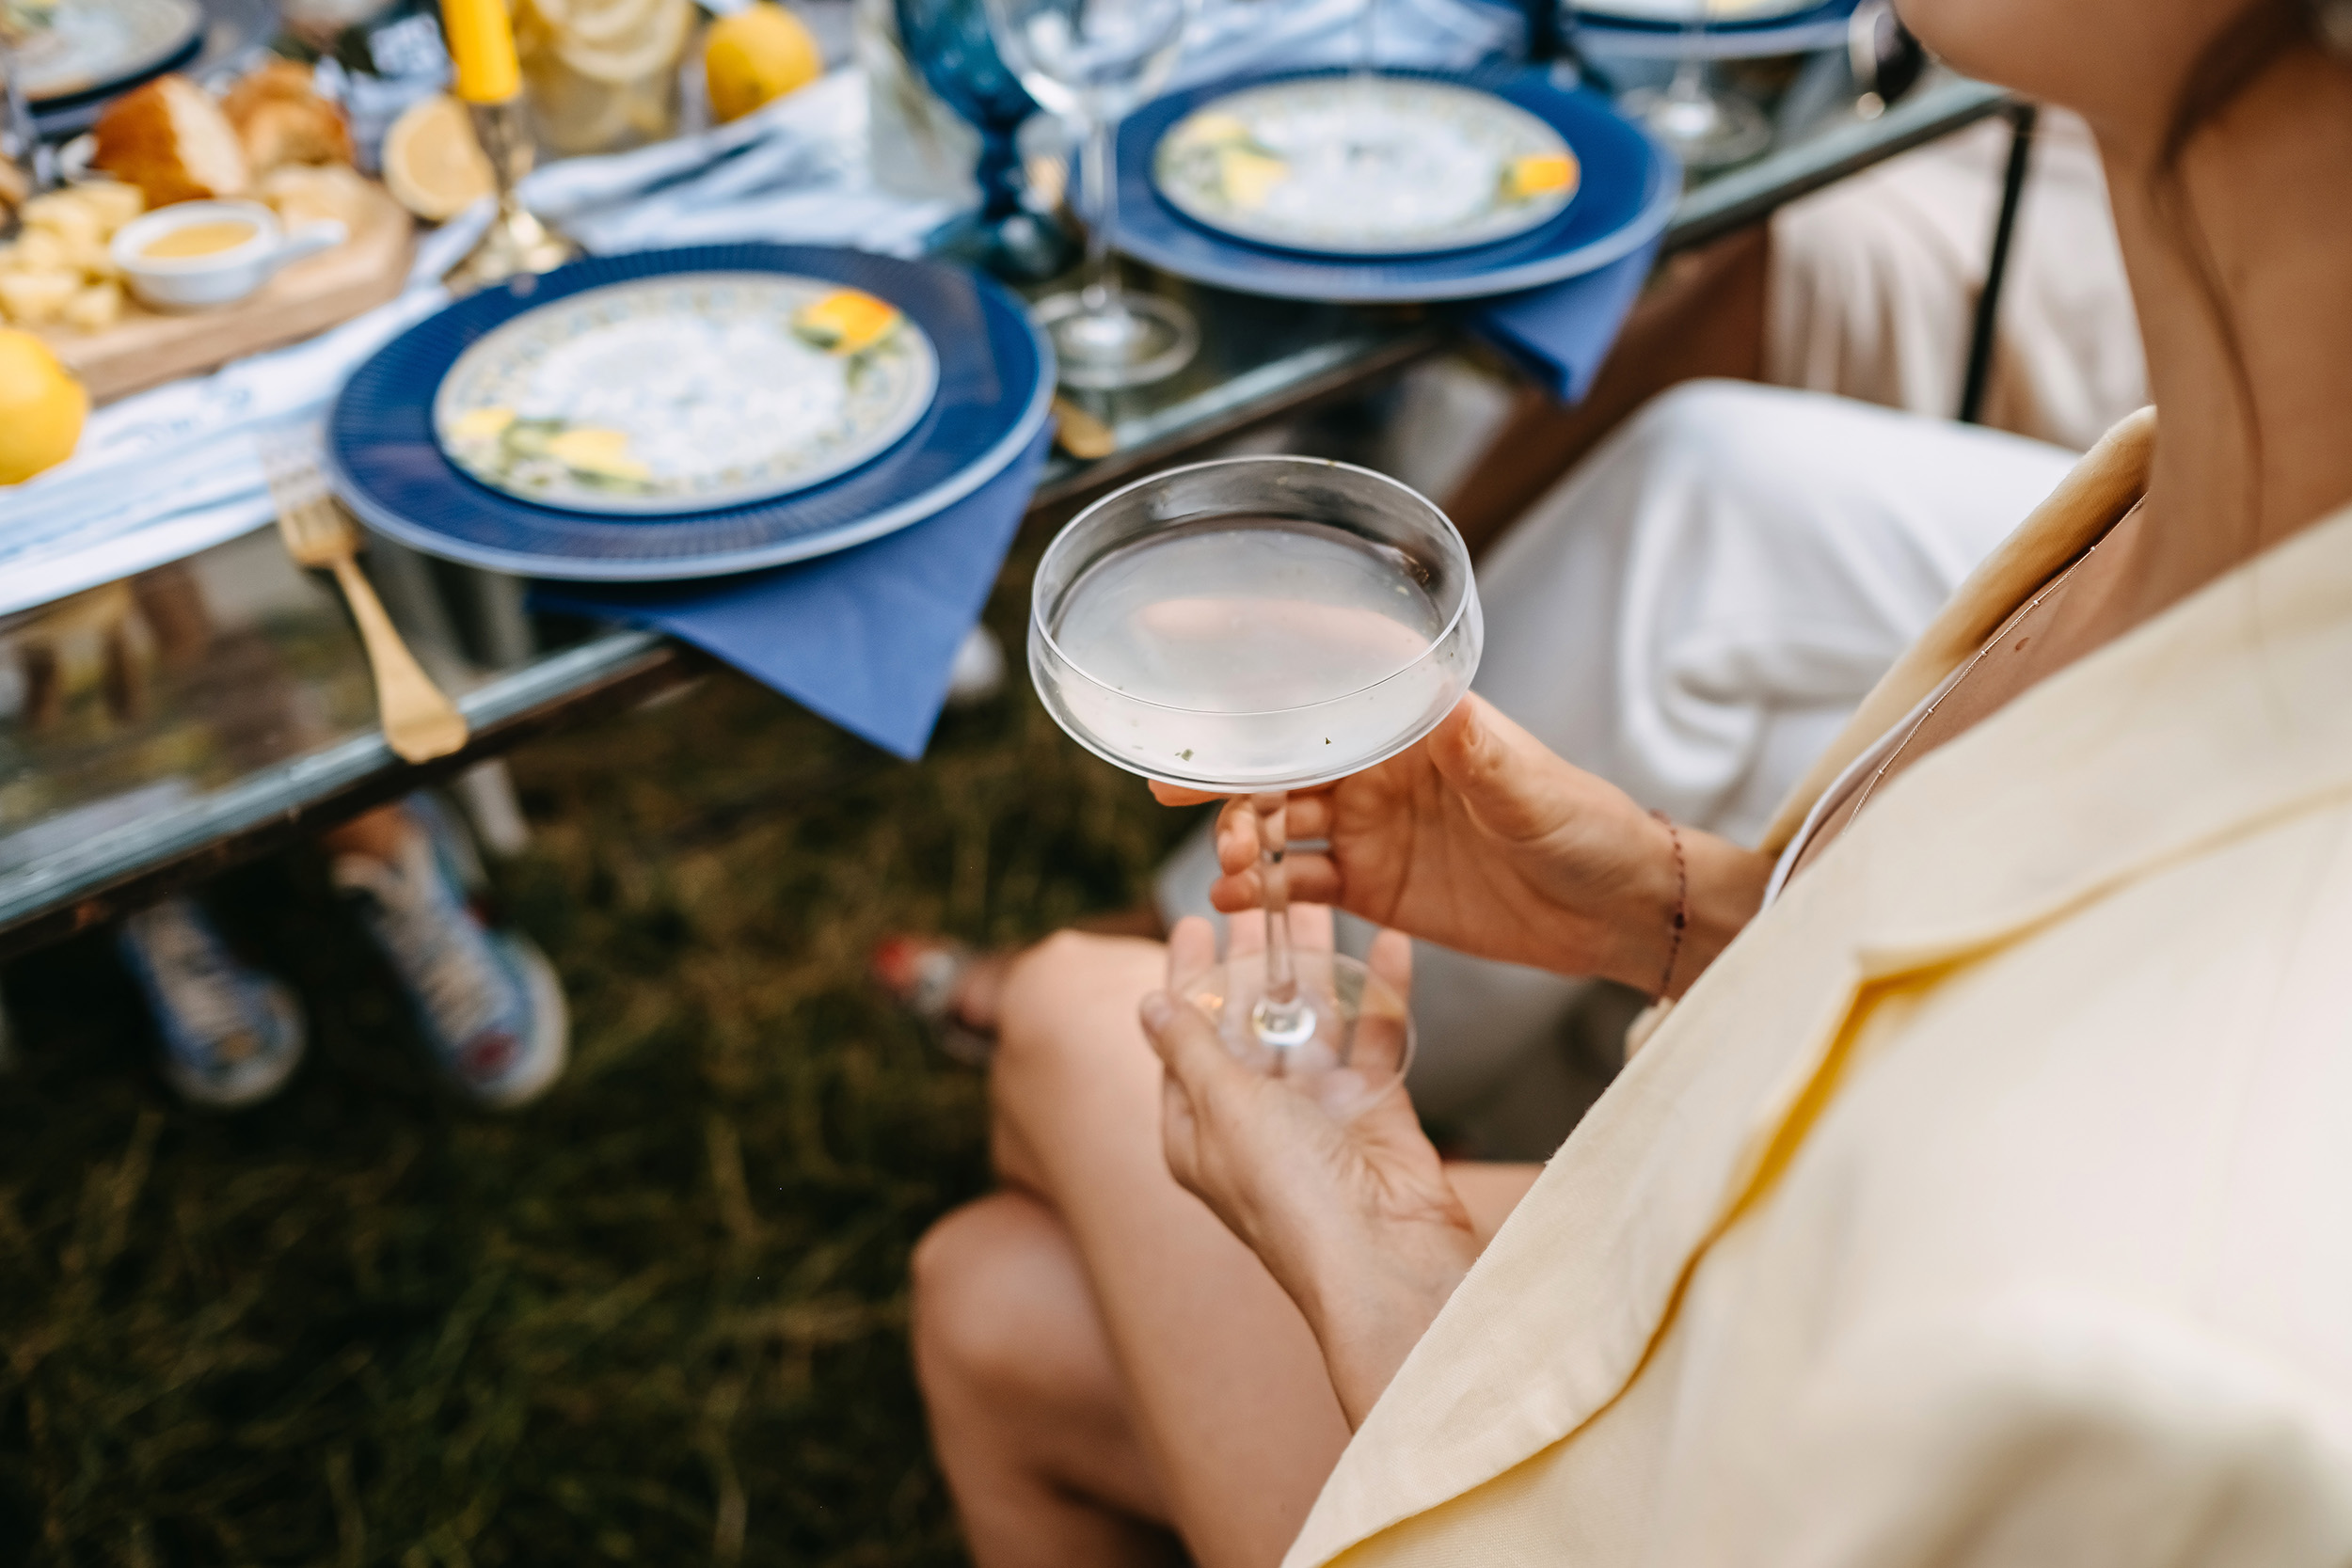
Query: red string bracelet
(1682,904)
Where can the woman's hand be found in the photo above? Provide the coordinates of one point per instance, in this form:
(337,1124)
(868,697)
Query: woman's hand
(1479,838)
(1355,1219)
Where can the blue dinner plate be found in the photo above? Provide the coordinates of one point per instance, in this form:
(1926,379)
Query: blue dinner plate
(1628,189)
(996,387)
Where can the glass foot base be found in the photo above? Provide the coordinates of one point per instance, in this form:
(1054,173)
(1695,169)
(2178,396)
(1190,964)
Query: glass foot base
(1707,130)
(1362,1042)
(1123,341)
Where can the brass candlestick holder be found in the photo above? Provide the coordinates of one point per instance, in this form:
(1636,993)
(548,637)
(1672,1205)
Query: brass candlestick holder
(518,240)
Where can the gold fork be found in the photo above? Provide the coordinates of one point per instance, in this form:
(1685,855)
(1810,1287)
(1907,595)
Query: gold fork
(420,722)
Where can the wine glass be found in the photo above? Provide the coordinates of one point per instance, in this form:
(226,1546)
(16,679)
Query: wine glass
(1251,627)
(1094,60)
(1706,128)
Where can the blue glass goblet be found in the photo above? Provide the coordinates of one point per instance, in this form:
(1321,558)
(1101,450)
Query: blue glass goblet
(947,42)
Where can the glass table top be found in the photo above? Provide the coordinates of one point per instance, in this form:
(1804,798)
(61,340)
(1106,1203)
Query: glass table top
(158,728)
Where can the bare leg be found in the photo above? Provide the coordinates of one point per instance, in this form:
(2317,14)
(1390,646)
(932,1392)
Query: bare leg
(1028,1412)
(1218,1380)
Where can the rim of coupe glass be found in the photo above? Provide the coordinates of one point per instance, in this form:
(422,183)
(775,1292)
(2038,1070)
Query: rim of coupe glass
(1037,591)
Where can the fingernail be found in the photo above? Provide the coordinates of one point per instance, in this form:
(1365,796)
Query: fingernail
(1157,1008)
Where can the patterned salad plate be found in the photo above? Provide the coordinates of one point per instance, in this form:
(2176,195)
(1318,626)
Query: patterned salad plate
(81,46)
(1365,166)
(994,389)
(684,393)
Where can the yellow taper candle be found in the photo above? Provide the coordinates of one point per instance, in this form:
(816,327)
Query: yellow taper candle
(482,46)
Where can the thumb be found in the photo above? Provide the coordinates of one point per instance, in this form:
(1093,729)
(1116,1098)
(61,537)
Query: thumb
(1195,1058)
(1185,1042)
(1509,779)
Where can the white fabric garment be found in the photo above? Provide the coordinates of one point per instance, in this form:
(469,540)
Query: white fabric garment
(1692,614)
(1874,285)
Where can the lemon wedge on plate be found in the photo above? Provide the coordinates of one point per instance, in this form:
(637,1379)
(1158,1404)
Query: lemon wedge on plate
(1538,174)
(602,453)
(1208,130)
(1249,178)
(846,323)
(481,425)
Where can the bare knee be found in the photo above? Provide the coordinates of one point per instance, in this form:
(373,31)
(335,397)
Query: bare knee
(1075,995)
(1071,1064)
(985,1281)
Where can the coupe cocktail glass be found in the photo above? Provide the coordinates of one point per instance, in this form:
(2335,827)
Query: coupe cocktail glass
(1249,628)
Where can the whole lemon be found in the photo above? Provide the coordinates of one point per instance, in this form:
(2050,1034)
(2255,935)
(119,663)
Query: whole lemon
(756,56)
(41,407)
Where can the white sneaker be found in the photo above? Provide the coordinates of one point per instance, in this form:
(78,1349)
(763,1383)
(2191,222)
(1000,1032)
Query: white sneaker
(232,1035)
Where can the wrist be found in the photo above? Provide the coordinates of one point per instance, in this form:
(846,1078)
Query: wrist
(1686,893)
(1722,891)
(1369,1308)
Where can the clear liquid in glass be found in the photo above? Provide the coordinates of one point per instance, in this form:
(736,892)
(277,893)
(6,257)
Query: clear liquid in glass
(1250,653)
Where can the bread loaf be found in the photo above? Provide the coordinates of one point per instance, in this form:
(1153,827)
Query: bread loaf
(280,118)
(173,142)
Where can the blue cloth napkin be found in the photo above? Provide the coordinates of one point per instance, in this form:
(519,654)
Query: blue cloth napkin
(1560,333)
(865,638)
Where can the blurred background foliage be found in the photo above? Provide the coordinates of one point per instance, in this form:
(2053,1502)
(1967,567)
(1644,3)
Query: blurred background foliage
(659,1318)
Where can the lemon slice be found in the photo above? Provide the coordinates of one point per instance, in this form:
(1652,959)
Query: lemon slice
(602,452)
(650,48)
(1538,174)
(481,425)
(1249,178)
(846,323)
(1211,129)
(605,23)
(431,164)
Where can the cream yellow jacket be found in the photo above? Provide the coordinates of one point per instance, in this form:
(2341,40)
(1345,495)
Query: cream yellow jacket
(1990,1200)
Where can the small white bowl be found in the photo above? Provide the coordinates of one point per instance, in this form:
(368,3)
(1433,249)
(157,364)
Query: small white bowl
(220,277)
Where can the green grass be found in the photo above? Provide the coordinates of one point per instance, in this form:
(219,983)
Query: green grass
(659,1318)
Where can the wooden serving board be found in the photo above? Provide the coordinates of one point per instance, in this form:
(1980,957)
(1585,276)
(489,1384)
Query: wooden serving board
(145,348)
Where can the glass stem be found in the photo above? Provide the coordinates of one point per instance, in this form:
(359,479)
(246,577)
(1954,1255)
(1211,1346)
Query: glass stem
(1101,289)
(1690,83)
(1368,37)
(1281,1019)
